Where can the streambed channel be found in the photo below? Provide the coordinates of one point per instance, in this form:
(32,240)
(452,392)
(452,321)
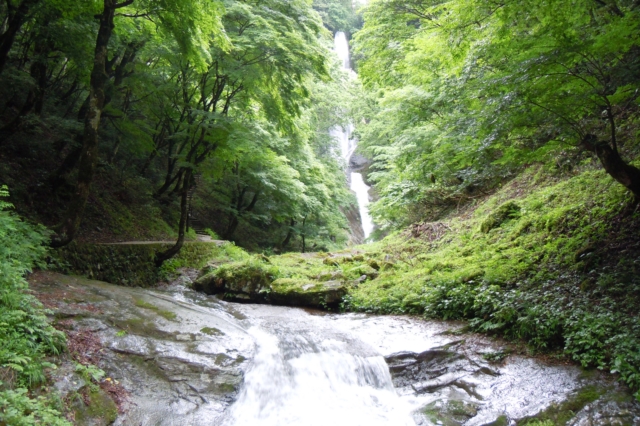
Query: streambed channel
(190,359)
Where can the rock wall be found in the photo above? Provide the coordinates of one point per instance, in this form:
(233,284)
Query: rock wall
(130,265)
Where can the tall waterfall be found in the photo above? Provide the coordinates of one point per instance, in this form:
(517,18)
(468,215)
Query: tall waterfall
(348,144)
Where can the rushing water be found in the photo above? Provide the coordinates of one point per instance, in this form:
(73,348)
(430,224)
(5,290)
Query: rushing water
(305,373)
(191,359)
(348,144)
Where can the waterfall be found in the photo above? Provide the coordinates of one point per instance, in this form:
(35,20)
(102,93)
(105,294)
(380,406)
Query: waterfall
(348,144)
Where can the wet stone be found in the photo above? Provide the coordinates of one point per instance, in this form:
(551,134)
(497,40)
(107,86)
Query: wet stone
(450,412)
(610,413)
(219,363)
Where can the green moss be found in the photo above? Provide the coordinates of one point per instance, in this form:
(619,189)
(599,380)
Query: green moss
(211,331)
(450,412)
(521,279)
(500,421)
(171,316)
(560,414)
(252,271)
(101,408)
(509,210)
(287,286)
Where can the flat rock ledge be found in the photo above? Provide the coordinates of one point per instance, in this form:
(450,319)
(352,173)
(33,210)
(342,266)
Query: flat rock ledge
(283,291)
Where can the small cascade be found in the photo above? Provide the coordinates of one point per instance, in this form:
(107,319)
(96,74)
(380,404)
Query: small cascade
(348,145)
(302,379)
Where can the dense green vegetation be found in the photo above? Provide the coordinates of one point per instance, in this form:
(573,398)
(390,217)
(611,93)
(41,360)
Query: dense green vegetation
(551,261)
(502,137)
(26,336)
(462,95)
(125,109)
(559,271)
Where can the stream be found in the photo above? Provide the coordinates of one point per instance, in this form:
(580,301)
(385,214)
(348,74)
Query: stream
(190,359)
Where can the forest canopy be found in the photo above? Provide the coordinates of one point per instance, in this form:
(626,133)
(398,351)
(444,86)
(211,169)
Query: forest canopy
(462,95)
(153,100)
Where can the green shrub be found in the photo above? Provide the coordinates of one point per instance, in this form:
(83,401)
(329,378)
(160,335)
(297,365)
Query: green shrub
(26,336)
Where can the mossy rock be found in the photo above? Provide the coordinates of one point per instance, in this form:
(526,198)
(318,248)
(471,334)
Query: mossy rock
(361,270)
(374,264)
(330,276)
(300,292)
(584,252)
(387,266)
(450,412)
(100,410)
(244,281)
(507,211)
(330,261)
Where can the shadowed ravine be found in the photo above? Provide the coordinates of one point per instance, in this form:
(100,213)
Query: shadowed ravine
(187,358)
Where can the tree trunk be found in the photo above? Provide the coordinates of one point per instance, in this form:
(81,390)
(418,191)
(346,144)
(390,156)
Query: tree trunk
(287,239)
(182,226)
(67,230)
(304,235)
(234,220)
(16,21)
(614,165)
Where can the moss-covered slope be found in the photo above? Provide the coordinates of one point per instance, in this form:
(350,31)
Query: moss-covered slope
(555,263)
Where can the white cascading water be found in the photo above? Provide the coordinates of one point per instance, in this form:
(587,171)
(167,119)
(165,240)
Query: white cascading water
(348,145)
(297,379)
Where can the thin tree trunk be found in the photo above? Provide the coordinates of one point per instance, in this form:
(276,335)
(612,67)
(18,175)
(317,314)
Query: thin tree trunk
(287,239)
(304,236)
(67,230)
(182,226)
(15,23)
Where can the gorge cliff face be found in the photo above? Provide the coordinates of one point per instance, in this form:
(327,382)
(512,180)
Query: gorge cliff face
(355,224)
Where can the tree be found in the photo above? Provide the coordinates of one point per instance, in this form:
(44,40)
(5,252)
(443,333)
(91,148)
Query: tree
(97,98)
(478,90)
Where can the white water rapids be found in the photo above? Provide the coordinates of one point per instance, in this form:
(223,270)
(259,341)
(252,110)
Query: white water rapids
(299,381)
(223,364)
(312,372)
(348,145)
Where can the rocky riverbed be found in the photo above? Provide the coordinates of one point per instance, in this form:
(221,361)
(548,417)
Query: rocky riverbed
(174,356)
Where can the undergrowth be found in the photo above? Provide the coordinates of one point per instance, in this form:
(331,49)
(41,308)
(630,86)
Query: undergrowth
(557,266)
(27,338)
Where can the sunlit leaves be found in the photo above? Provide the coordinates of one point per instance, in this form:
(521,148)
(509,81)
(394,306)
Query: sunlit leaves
(475,90)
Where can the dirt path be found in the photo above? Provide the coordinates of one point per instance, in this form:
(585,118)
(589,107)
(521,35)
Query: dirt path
(201,239)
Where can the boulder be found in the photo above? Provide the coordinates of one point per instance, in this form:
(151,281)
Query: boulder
(300,292)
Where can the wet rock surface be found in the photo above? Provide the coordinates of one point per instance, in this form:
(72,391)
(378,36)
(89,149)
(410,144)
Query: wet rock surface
(465,389)
(181,360)
(186,358)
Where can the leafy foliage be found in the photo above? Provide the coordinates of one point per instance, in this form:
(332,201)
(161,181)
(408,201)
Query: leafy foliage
(463,95)
(231,98)
(26,335)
